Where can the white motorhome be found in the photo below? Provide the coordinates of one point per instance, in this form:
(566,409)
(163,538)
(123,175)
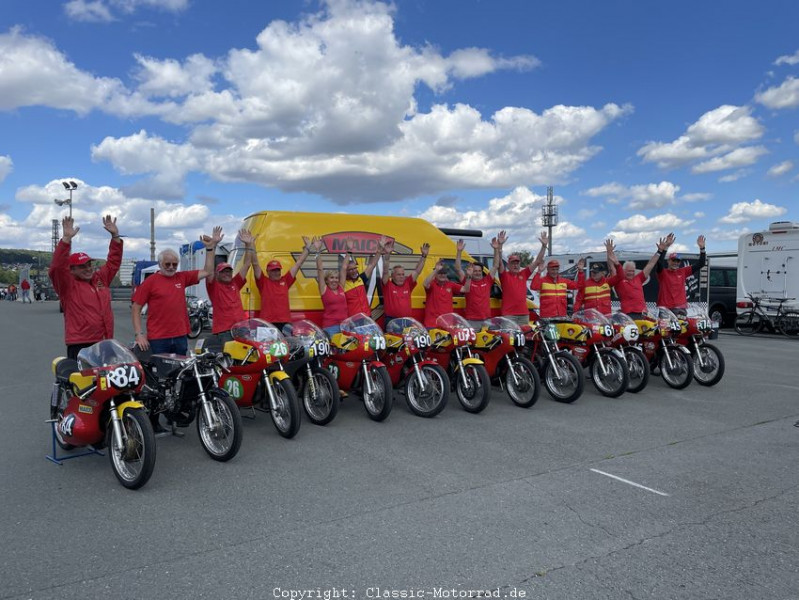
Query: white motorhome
(768,264)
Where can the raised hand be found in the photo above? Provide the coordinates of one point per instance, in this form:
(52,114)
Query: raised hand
(461,245)
(543,238)
(495,243)
(350,244)
(110,225)
(317,244)
(246,237)
(502,237)
(700,241)
(610,246)
(68,228)
(308,243)
(388,246)
(580,264)
(469,271)
(425,249)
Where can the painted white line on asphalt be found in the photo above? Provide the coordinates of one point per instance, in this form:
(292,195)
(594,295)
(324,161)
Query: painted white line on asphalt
(638,485)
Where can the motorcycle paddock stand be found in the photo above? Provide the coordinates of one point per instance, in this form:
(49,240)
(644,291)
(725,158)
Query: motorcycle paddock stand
(59,460)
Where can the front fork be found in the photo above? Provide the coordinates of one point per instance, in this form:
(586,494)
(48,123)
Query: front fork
(668,354)
(210,416)
(367,381)
(461,370)
(696,345)
(311,382)
(511,369)
(418,374)
(116,424)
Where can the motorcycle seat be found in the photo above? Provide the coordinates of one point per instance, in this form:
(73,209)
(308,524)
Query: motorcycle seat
(66,367)
(166,365)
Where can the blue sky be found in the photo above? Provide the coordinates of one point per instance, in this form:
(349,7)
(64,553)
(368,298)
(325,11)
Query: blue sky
(645,117)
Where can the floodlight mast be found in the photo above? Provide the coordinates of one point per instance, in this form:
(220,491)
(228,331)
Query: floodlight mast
(70,186)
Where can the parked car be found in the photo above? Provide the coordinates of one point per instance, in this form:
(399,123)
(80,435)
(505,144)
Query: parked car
(721,304)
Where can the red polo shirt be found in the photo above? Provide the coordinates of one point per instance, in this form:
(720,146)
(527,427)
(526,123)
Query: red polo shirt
(439,301)
(478,299)
(397,298)
(275,306)
(226,301)
(514,291)
(166,297)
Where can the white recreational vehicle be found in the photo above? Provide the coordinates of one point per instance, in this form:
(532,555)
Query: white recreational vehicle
(768,264)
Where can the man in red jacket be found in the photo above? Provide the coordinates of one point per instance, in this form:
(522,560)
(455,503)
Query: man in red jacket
(83,291)
(671,279)
(552,289)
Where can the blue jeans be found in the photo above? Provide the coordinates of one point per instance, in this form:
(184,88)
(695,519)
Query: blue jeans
(175,345)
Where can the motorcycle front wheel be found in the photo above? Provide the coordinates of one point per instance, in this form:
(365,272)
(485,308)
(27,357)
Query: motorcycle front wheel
(223,441)
(565,385)
(614,380)
(286,412)
(432,400)
(711,369)
(475,392)
(320,396)
(524,388)
(681,371)
(379,403)
(134,461)
(195,327)
(638,367)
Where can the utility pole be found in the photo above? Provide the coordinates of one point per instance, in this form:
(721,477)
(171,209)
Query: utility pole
(152,233)
(549,216)
(56,235)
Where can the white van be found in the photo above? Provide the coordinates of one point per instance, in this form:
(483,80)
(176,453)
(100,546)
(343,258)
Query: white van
(768,264)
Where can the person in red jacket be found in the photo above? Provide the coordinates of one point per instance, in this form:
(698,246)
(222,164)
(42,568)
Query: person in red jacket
(83,291)
(552,289)
(439,293)
(274,288)
(671,279)
(478,298)
(595,292)
(397,286)
(224,289)
(355,283)
(26,291)
(165,293)
(513,280)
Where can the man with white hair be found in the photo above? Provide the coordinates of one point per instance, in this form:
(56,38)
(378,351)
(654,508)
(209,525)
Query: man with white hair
(165,293)
(630,287)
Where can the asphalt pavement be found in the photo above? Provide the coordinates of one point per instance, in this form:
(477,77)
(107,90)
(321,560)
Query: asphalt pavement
(664,494)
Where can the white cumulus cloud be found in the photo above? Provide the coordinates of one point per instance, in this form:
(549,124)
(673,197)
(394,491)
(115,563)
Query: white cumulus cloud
(6,166)
(741,212)
(788,59)
(639,197)
(780,169)
(785,95)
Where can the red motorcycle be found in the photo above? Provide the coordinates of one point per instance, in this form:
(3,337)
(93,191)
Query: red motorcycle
(659,342)
(424,383)
(498,344)
(707,358)
(626,338)
(92,405)
(560,372)
(452,341)
(355,363)
(256,379)
(606,366)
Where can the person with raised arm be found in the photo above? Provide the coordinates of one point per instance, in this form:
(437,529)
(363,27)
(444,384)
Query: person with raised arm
(224,291)
(478,298)
(334,300)
(671,278)
(274,288)
(397,286)
(630,286)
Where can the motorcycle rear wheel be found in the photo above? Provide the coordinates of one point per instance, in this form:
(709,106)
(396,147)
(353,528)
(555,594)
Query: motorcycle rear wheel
(286,412)
(433,399)
(321,406)
(713,369)
(476,392)
(568,384)
(224,443)
(680,375)
(525,392)
(638,367)
(379,403)
(133,463)
(195,327)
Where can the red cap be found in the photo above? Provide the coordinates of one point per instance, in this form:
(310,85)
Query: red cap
(273,264)
(553,263)
(79,258)
(514,258)
(674,256)
(222,266)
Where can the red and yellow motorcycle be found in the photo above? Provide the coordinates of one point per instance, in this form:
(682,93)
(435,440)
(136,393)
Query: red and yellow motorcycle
(92,405)
(626,338)
(659,342)
(707,358)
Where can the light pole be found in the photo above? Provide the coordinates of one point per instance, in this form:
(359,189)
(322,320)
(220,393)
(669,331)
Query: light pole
(70,186)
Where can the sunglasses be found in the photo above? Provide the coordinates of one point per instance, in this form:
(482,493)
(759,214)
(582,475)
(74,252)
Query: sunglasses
(170,264)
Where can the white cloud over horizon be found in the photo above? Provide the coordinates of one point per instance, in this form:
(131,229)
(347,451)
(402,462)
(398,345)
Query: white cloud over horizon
(740,212)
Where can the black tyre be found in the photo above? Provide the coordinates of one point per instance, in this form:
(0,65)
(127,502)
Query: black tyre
(638,367)
(475,392)
(681,371)
(320,396)
(286,411)
(788,323)
(432,400)
(567,383)
(379,403)
(614,379)
(748,323)
(522,382)
(195,327)
(708,364)
(134,461)
(222,441)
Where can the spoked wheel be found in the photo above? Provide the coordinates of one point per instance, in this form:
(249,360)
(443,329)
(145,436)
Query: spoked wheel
(195,327)
(522,382)
(708,364)
(638,367)
(566,384)
(612,381)
(320,396)
(379,403)
(133,462)
(475,392)
(748,323)
(222,437)
(286,411)
(679,374)
(431,400)
(788,323)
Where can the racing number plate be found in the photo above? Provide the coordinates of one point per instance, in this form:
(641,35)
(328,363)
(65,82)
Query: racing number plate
(123,377)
